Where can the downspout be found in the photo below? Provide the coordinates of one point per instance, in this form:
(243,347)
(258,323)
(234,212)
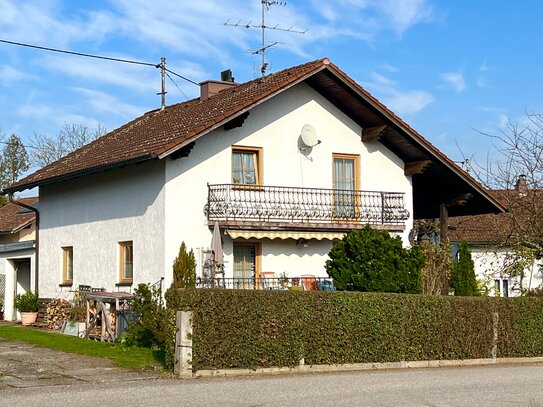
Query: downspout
(37,227)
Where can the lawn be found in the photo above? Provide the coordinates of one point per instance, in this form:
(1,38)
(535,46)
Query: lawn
(121,355)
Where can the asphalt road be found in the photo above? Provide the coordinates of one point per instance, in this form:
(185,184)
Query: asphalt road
(515,385)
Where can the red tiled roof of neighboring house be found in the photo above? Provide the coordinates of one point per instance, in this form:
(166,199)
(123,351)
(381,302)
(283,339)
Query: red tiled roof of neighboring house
(13,217)
(501,227)
(160,132)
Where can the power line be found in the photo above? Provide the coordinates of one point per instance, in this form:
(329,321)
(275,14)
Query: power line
(182,77)
(178,88)
(82,54)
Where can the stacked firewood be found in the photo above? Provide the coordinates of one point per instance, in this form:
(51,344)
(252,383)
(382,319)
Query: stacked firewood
(57,313)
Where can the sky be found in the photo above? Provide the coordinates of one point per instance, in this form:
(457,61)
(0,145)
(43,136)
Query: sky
(451,69)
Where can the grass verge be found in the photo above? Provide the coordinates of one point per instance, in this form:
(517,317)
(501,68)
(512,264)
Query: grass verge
(121,355)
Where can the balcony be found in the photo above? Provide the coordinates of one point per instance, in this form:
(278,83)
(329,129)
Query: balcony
(308,208)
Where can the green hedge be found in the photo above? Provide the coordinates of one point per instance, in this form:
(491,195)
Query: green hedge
(249,329)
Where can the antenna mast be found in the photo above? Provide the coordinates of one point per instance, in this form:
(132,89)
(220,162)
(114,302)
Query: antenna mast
(266,4)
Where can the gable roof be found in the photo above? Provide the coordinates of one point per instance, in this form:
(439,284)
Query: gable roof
(158,134)
(14,218)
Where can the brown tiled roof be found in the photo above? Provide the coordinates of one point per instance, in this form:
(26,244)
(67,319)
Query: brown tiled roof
(13,218)
(499,228)
(157,132)
(160,133)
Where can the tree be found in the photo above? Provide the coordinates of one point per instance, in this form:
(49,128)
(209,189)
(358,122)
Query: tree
(47,149)
(516,177)
(372,260)
(463,280)
(13,163)
(184,269)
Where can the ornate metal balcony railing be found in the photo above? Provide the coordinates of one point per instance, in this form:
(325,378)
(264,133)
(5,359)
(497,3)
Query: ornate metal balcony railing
(272,204)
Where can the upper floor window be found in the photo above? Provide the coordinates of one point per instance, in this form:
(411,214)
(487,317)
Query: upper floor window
(126,262)
(67,265)
(246,165)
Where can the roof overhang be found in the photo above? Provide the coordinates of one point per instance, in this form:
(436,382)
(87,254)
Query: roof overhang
(78,174)
(439,182)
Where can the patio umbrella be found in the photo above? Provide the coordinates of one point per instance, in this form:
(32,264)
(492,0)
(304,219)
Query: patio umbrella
(217,255)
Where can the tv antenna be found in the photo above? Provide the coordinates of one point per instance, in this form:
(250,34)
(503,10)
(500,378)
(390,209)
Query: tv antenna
(266,4)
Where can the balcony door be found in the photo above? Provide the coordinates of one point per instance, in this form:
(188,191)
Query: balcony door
(246,264)
(345,185)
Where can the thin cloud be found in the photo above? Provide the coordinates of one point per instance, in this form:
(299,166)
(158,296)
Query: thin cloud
(402,102)
(455,80)
(9,75)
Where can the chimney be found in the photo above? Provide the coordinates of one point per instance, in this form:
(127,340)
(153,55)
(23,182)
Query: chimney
(211,88)
(521,186)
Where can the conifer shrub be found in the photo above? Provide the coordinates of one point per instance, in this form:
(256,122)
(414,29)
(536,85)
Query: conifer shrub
(372,260)
(184,269)
(463,280)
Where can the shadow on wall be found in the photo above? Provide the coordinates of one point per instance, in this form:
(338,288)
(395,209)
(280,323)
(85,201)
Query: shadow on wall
(127,192)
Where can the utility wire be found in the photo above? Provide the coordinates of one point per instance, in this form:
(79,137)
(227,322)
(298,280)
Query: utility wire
(178,88)
(81,54)
(128,61)
(182,77)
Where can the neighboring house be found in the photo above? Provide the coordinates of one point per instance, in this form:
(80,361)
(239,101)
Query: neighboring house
(285,164)
(17,252)
(490,238)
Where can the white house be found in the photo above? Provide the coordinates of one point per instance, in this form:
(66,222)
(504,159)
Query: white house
(284,164)
(17,252)
(502,270)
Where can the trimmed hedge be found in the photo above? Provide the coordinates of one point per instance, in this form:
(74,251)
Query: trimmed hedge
(249,329)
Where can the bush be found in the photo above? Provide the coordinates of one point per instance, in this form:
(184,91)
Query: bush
(372,260)
(437,268)
(463,280)
(155,327)
(27,302)
(249,329)
(184,269)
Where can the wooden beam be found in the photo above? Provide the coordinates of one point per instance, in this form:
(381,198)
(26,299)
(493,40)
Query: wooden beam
(183,152)
(416,167)
(443,224)
(373,133)
(237,121)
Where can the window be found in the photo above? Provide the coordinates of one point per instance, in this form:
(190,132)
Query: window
(247,165)
(345,184)
(501,287)
(126,261)
(67,265)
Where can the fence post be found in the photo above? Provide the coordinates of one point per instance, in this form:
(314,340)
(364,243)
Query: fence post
(183,344)
(495,319)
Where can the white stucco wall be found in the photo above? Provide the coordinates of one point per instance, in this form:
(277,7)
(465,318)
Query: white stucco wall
(94,214)
(275,126)
(491,264)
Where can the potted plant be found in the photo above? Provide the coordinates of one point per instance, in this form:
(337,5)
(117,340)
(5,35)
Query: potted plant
(27,305)
(75,324)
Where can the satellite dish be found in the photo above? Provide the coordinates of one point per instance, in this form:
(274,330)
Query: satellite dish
(309,136)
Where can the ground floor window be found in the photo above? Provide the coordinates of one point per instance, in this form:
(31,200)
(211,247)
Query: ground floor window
(501,287)
(126,261)
(67,265)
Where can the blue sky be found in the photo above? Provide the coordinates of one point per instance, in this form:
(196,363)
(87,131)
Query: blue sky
(449,68)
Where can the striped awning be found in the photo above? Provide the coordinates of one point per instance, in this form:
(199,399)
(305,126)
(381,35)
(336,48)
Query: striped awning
(284,234)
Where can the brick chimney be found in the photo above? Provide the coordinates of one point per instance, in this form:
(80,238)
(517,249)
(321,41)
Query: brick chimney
(521,186)
(211,88)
